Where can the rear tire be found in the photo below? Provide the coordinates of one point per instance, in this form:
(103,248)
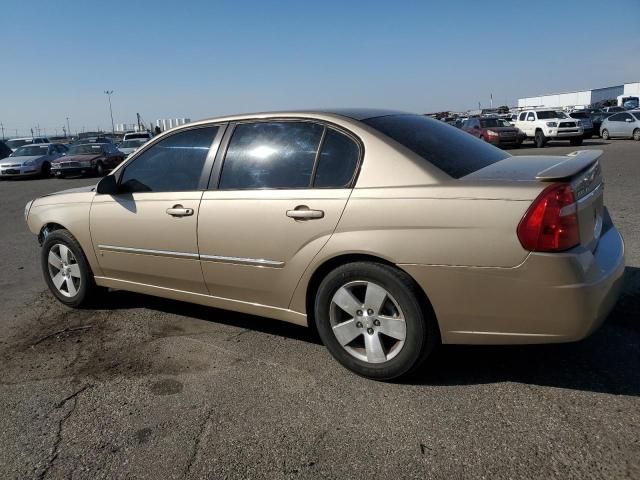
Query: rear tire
(540,140)
(66,270)
(636,134)
(605,134)
(394,303)
(100,169)
(575,141)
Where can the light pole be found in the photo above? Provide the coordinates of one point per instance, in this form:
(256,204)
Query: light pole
(68,127)
(109,93)
(2,126)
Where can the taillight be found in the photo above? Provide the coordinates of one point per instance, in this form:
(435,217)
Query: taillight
(551,223)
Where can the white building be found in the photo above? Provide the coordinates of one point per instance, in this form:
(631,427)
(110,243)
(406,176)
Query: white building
(581,97)
(167,123)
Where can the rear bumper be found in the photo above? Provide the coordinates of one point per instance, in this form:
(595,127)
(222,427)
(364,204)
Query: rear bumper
(549,298)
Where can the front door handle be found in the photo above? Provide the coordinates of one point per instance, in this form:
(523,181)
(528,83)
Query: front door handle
(302,212)
(179,211)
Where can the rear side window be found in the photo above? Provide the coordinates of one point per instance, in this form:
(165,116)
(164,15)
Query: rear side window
(271,155)
(337,161)
(637,115)
(451,150)
(174,164)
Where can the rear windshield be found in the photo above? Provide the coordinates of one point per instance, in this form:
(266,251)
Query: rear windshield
(493,122)
(579,115)
(452,150)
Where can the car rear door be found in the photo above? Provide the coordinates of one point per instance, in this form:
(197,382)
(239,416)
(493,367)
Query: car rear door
(277,192)
(146,233)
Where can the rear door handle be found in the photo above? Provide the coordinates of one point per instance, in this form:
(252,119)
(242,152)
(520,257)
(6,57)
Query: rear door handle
(302,212)
(179,211)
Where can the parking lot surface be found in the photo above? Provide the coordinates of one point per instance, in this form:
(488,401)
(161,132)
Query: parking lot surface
(140,387)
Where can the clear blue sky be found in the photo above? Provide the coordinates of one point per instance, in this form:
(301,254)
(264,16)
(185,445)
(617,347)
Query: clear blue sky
(204,58)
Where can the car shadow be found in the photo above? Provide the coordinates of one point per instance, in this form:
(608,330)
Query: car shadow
(122,300)
(606,362)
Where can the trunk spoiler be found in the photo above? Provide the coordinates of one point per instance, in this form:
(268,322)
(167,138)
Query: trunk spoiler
(574,164)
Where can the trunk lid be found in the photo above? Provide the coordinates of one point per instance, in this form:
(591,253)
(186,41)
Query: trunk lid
(580,169)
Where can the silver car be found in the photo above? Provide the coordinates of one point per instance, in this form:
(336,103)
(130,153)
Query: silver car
(623,124)
(31,160)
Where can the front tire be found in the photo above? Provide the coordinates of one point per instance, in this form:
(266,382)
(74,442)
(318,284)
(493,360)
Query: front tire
(575,141)
(605,134)
(45,170)
(636,134)
(540,140)
(370,318)
(66,269)
(100,169)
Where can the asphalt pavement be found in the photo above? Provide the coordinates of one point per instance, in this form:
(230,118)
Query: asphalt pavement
(140,387)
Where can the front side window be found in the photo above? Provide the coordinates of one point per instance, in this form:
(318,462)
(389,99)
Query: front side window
(274,154)
(174,164)
(637,115)
(523,115)
(337,161)
(616,118)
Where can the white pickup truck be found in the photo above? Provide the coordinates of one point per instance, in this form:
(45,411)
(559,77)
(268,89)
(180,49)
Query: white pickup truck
(545,125)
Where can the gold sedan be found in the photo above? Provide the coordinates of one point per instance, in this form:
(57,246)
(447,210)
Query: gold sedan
(388,232)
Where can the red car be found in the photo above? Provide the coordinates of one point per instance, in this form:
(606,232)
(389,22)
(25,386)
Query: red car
(493,130)
(94,158)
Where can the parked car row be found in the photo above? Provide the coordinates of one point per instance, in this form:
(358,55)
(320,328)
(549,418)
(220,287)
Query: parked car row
(44,159)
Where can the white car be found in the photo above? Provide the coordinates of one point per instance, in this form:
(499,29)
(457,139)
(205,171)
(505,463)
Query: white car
(549,124)
(16,143)
(129,146)
(31,160)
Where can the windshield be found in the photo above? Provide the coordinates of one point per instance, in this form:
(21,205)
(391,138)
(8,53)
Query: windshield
(132,143)
(546,114)
(453,151)
(13,144)
(493,122)
(31,151)
(85,150)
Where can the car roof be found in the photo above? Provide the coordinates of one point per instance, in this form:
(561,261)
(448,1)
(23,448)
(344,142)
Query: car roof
(352,113)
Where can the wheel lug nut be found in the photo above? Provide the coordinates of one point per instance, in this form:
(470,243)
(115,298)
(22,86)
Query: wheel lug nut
(376,323)
(359,313)
(369,312)
(370,331)
(359,324)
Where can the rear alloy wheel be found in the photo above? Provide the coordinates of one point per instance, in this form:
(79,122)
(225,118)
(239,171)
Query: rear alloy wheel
(540,140)
(636,134)
(370,319)
(605,134)
(575,141)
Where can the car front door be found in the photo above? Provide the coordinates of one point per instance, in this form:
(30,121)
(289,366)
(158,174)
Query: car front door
(146,233)
(626,125)
(276,196)
(614,125)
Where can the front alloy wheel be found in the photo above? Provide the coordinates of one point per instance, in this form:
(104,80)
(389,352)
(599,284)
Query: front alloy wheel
(64,270)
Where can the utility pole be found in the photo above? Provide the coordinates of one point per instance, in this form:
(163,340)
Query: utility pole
(64,131)
(109,93)
(68,127)
(491,96)
(32,133)
(2,126)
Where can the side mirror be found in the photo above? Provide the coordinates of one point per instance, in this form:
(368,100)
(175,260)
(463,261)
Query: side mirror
(107,186)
